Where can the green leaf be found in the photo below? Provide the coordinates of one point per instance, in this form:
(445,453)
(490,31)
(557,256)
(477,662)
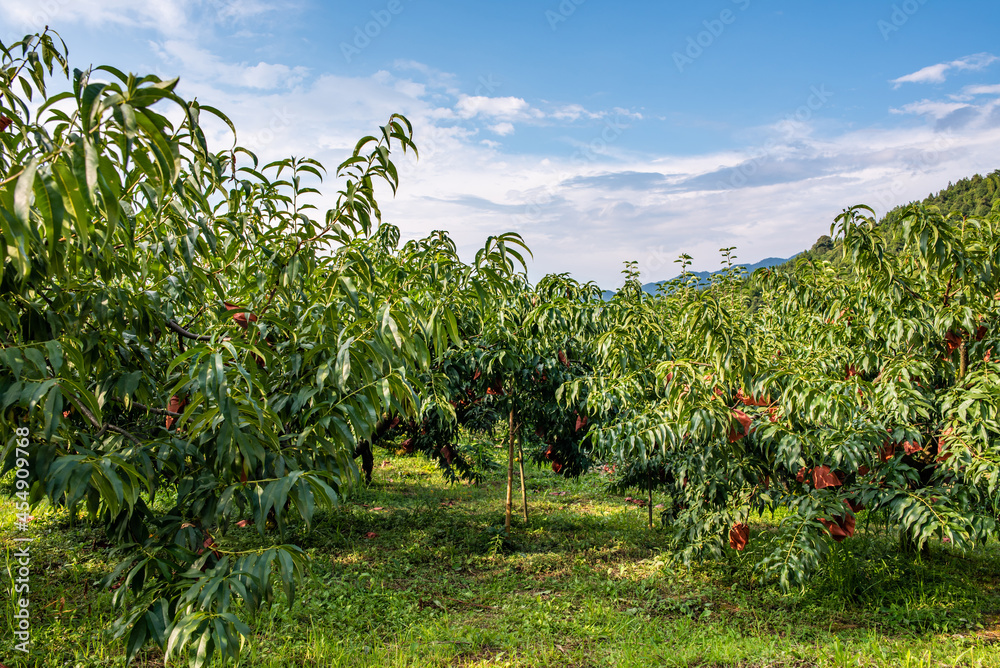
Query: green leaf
(343,372)
(49,203)
(136,639)
(34,355)
(55,355)
(53,411)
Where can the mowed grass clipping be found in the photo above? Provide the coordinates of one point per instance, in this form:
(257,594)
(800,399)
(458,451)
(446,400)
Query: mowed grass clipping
(413,572)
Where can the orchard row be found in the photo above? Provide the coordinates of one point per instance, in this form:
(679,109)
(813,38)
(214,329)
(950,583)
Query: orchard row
(182,322)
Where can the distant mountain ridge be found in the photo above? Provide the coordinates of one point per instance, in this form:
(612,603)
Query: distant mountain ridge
(974,196)
(706,275)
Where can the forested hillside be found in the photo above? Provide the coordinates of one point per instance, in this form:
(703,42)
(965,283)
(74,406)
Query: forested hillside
(973,196)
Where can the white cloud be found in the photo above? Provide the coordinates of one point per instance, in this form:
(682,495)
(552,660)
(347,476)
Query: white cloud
(620,112)
(512,110)
(242,10)
(586,213)
(612,199)
(410,88)
(993,89)
(930,74)
(932,108)
(266,75)
(507,108)
(502,129)
(169,17)
(788,200)
(179,19)
(572,112)
(201,64)
(939,72)
(436,79)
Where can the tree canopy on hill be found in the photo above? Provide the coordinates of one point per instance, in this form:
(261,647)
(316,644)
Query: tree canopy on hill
(973,196)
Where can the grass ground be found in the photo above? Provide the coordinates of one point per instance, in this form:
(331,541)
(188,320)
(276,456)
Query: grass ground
(413,572)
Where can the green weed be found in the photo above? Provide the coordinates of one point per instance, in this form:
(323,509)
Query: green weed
(413,572)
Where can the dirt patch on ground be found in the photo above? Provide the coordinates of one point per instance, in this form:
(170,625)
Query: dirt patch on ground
(471,658)
(990,633)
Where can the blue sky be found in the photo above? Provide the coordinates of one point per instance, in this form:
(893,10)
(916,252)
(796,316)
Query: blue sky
(600,131)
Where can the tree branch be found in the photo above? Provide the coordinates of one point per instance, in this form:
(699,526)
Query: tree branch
(172,324)
(86,413)
(157,411)
(194,317)
(102,427)
(119,430)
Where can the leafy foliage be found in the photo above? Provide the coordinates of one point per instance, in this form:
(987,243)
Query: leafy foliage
(184,330)
(873,384)
(971,197)
(178,323)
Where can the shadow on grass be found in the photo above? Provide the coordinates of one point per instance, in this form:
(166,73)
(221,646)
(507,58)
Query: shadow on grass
(411,571)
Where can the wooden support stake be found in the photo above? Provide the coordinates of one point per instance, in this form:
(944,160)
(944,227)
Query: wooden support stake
(510,473)
(524,493)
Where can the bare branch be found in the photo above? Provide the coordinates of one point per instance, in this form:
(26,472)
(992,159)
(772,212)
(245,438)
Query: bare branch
(190,335)
(157,411)
(119,430)
(86,413)
(102,427)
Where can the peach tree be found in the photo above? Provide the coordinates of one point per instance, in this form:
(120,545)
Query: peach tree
(821,390)
(533,343)
(191,342)
(884,384)
(661,397)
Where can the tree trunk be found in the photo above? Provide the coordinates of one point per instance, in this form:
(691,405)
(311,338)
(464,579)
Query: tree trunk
(367,459)
(908,544)
(524,493)
(510,473)
(364,448)
(650,500)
